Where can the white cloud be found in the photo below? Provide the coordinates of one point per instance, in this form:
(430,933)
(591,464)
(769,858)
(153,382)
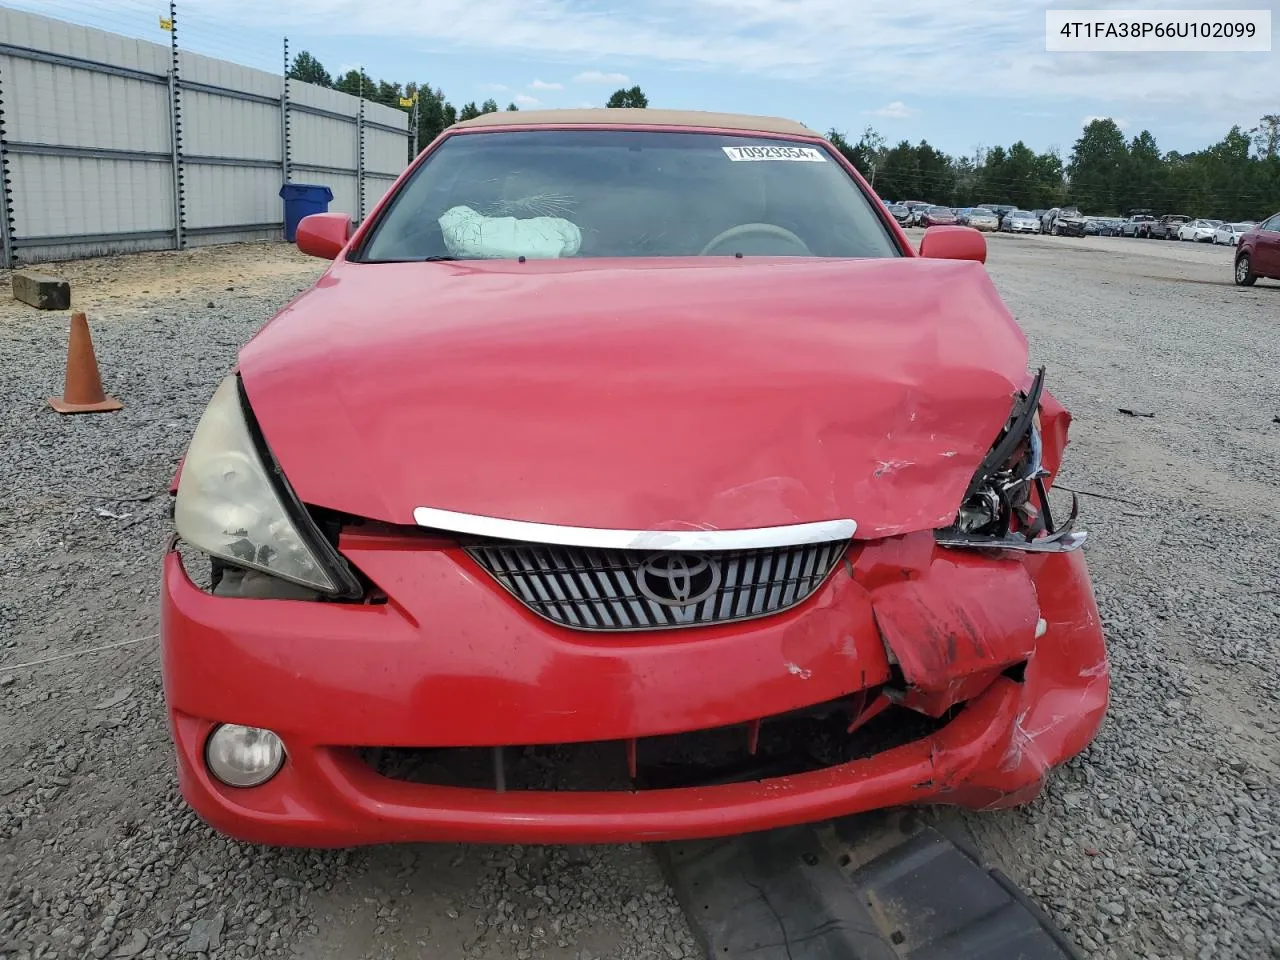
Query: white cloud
(894,111)
(543,85)
(595,76)
(917,48)
(526,101)
(494,87)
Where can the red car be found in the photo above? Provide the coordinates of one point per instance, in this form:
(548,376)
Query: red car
(1258,253)
(627,476)
(938,217)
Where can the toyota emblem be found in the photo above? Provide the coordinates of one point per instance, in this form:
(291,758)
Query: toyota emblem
(678,579)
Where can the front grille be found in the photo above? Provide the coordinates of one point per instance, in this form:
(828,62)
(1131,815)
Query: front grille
(594,589)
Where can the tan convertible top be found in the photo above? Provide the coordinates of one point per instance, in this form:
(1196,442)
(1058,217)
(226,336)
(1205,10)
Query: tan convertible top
(646,117)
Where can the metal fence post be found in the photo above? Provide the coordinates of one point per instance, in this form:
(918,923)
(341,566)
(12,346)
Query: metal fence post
(175,129)
(6,224)
(360,154)
(284,116)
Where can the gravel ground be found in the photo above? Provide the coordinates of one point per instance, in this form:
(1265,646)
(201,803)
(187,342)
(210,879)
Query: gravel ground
(1161,841)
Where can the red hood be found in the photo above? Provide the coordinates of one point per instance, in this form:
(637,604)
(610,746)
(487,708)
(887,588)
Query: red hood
(715,393)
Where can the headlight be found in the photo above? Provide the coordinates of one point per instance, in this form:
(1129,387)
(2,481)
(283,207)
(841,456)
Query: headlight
(229,507)
(998,510)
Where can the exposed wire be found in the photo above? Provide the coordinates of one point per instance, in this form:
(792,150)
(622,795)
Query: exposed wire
(77,653)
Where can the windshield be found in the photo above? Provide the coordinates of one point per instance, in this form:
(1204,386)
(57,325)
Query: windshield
(623,193)
(940,212)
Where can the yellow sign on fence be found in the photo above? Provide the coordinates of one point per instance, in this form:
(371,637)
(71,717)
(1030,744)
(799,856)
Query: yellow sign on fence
(406,101)
(166,24)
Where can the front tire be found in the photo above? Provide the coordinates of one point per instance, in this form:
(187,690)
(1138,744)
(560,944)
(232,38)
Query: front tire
(1053,231)
(1245,277)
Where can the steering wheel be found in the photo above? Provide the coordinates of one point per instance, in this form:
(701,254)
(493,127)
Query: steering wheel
(763,229)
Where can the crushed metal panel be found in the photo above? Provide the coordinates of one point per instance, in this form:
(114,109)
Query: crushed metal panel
(958,626)
(872,888)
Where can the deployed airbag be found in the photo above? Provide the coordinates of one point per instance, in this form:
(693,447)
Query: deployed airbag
(472,235)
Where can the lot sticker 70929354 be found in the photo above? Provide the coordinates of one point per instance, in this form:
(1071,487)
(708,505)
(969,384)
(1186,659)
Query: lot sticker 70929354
(799,154)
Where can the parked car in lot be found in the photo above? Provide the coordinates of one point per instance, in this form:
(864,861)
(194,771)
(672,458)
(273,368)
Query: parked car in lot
(1002,210)
(1020,221)
(980,219)
(1166,228)
(937,217)
(1229,234)
(917,208)
(401,605)
(1135,224)
(1258,253)
(901,213)
(1065,222)
(1199,231)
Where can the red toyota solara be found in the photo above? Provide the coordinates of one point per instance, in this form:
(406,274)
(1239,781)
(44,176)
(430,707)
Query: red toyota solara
(627,476)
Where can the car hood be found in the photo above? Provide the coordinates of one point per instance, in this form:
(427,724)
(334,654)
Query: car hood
(652,395)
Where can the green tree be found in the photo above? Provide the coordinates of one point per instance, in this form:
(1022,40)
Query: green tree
(435,114)
(633,97)
(1142,181)
(1049,177)
(489,106)
(899,174)
(355,83)
(469,111)
(511,106)
(937,175)
(1097,163)
(1266,136)
(865,155)
(309,70)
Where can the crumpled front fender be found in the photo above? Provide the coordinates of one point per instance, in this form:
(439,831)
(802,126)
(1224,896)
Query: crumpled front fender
(952,623)
(953,631)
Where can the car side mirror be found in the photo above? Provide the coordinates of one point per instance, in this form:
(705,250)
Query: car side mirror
(954,243)
(324,234)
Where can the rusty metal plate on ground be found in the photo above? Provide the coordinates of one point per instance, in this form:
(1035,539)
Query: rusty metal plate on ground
(877,888)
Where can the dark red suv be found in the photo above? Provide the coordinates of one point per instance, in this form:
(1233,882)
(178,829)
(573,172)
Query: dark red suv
(1258,253)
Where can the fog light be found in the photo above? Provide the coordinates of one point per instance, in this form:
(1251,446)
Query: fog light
(243,756)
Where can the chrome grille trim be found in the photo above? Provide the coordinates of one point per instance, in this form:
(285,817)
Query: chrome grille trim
(588,588)
(497,528)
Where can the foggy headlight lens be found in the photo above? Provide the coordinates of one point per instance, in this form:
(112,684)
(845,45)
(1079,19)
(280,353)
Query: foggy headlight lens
(227,505)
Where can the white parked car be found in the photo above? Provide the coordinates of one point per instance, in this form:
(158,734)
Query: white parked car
(1229,234)
(1020,221)
(1199,231)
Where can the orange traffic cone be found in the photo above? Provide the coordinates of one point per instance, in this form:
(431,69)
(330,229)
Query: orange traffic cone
(83,390)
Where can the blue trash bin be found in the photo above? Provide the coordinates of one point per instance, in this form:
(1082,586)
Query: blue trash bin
(302,200)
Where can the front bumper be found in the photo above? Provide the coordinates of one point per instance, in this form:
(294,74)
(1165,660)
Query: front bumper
(451,660)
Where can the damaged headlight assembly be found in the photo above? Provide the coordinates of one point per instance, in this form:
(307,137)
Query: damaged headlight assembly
(234,504)
(998,511)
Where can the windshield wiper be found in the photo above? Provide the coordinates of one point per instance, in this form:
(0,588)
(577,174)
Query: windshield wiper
(432,259)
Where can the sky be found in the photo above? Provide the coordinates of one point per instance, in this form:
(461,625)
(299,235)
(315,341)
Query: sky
(961,75)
